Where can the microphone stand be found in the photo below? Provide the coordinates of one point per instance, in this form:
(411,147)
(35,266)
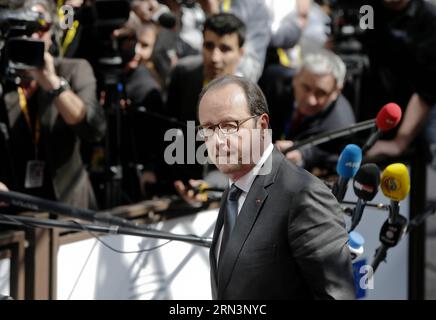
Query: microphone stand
(380,255)
(381,252)
(331,135)
(5,139)
(38,204)
(71,225)
(391,234)
(106,217)
(379,206)
(170,120)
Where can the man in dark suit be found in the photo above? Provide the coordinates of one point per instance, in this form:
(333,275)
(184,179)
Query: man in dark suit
(279,232)
(311,104)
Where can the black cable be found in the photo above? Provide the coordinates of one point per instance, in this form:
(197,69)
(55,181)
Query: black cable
(18,222)
(114,229)
(84,228)
(113,249)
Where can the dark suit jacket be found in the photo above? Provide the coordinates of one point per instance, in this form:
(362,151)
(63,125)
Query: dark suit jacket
(289,241)
(185,86)
(59,144)
(338,115)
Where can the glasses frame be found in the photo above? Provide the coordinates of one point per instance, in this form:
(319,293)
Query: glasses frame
(214,126)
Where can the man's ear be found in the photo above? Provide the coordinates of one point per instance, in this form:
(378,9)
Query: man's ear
(263,121)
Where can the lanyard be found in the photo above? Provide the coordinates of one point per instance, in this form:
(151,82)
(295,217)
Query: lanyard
(72,31)
(227,5)
(25,110)
(69,37)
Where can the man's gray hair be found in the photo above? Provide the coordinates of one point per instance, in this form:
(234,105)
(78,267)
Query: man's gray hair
(325,62)
(256,101)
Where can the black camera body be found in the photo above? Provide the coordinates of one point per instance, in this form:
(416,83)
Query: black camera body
(17,50)
(187,3)
(25,53)
(345,24)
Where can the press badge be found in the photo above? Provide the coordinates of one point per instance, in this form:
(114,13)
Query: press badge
(34,174)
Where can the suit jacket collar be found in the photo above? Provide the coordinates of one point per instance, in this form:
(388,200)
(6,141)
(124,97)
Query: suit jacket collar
(244,183)
(246,219)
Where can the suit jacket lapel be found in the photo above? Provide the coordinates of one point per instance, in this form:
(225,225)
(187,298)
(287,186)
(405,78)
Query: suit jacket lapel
(246,219)
(244,223)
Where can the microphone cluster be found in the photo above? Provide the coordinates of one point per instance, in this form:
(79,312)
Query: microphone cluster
(394,182)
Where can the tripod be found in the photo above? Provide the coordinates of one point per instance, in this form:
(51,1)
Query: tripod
(123,170)
(7,165)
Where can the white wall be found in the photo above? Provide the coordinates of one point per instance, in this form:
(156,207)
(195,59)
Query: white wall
(88,270)
(4,276)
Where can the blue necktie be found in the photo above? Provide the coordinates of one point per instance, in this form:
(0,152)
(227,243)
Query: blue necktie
(230,215)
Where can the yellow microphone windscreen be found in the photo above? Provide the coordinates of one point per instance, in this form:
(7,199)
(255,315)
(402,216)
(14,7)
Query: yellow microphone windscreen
(395,182)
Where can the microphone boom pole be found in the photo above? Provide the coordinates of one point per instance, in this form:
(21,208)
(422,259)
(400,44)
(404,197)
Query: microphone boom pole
(70,225)
(380,255)
(123,225)
(38,204)
(331,135)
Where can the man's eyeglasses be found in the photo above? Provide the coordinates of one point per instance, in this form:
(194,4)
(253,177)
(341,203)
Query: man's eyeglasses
(226,128)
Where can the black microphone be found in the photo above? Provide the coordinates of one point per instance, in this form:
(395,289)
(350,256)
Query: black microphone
(365,185)
(390,234)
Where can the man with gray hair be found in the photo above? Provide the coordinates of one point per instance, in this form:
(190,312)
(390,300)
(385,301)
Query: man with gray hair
(279,233)
(314,105)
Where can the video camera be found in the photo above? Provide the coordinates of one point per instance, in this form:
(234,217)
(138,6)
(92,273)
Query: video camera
(109,16)
(187,3)
(17,50)
(345,24)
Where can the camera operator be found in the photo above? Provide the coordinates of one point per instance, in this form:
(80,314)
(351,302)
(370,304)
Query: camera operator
(48,113)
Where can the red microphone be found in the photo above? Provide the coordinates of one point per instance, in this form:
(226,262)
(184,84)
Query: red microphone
(387,118)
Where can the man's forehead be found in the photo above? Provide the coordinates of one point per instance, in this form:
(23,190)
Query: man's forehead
(225,100)
(212,35)
(229,93)
(305,72)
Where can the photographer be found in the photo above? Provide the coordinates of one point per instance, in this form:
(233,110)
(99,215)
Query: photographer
(51,109)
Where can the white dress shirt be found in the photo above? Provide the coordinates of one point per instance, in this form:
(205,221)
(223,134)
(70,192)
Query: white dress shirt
(244,183)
